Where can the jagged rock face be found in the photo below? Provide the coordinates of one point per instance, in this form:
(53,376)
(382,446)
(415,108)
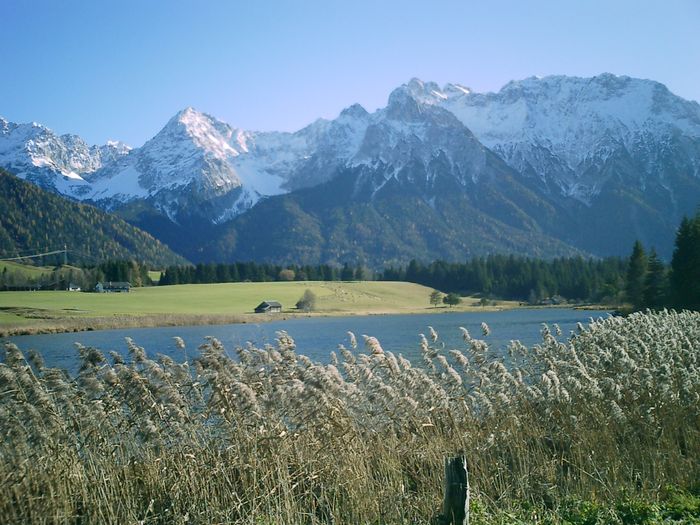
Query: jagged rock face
(563,131)
(34,152)
(589,162)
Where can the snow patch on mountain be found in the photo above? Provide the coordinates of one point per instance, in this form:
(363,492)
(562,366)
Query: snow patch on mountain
(257,178)
(123,187)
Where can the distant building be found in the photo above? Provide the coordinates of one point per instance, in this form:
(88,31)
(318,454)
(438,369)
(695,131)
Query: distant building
(72,287)
(267,307)
(553,301)
(113,287)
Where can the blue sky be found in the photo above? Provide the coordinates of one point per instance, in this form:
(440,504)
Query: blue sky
(119,70)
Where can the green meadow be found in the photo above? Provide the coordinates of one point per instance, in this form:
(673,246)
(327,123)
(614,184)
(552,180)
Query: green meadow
(206,303)
(25,270)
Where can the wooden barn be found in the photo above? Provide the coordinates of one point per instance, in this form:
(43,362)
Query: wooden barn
(267,307)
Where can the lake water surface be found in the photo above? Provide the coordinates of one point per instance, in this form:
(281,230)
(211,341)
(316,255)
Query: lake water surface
(316,337)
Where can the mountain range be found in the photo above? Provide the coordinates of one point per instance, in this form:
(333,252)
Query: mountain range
(545,167)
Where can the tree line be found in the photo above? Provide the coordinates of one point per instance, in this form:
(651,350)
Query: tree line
(502,276)
(60,277)
(204,273)
(521,278)
(649,283)
(642,281)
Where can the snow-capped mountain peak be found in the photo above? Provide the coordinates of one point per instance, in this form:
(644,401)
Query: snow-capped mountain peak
(34,152)
(203,131)
(421,92)
(190,156)
(118,145)
(406,100)
(554,105)
(355,111)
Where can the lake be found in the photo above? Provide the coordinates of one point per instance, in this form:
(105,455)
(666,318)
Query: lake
(316,337)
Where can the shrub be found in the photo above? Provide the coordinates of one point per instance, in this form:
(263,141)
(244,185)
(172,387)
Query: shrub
(452,299)
(307,301)
(286,275)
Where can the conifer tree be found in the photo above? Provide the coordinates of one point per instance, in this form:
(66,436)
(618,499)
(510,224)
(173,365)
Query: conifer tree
(347,273)
(655,283)
(233,273)
(636,275)
(685,265)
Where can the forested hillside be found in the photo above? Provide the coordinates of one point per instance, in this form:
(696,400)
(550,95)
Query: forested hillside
(336,223)
(34,220)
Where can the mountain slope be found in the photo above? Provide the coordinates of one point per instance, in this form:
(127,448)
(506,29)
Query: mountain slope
(183,171)
(420,185)
(34,220)
(628,150)
(391,225)
(423,186)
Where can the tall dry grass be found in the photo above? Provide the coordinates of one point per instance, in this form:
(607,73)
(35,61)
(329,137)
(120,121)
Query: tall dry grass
(271,437)
(54,323)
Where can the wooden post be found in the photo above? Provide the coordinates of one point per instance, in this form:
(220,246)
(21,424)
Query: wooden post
(455,505)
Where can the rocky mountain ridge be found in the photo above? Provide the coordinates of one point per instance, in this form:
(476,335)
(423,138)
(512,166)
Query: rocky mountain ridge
(551,157)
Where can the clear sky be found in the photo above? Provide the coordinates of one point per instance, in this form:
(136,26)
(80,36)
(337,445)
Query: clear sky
(120,69)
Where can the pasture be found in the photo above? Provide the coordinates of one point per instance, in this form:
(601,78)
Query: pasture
(202,303)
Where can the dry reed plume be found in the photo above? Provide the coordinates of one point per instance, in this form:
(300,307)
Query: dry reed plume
(269,436)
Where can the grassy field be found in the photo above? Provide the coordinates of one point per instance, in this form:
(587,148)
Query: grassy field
(25,270)
(207,303)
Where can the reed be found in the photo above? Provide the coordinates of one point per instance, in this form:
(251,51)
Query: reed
(266,435)
(48,324)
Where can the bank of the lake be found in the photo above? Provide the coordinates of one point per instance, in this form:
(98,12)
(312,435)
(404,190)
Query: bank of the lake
(211,304)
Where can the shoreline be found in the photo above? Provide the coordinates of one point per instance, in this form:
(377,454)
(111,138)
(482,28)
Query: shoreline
(94,324)
(91,324)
